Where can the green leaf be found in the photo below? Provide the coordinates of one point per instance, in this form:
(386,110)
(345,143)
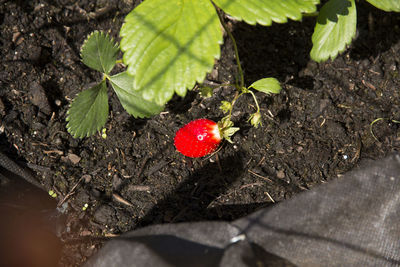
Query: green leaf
(169,45)
(267,85)
(99,52)
(88,112)
(264,12)
(387,5)
(335,28)
(130,99)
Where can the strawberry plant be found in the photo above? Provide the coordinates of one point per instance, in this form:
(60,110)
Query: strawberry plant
(336,26)
(168,47)
(89,111)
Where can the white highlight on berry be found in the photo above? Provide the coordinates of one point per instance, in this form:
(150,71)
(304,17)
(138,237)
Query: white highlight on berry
(215,132)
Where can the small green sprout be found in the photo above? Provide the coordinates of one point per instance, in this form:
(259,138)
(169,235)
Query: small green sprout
(52,194)
(104,133)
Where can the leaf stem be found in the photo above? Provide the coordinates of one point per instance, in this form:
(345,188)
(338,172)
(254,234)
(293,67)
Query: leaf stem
(255,100)
(237,95)
(221,19)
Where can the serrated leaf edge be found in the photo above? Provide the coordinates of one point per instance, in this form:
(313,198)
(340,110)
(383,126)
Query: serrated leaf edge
(74,133)
(106,35)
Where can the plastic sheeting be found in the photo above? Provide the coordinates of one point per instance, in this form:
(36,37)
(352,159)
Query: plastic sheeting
(352,221)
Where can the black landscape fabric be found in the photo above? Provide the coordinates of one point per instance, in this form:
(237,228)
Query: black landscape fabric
(352,221)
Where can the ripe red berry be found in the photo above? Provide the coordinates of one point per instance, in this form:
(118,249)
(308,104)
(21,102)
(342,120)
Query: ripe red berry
(198,138)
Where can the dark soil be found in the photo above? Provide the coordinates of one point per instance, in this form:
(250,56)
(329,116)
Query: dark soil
(317,128)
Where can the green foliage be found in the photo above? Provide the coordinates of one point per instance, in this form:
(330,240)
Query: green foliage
(130,99)
(335,28)
(267,85)
(266,12)
(99,52)
(169,45)
(386,5)
(88,112)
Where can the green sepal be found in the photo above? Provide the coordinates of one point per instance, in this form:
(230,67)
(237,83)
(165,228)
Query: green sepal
(99,52)
(131,99)
(226,128)
(255,119)
(88,112)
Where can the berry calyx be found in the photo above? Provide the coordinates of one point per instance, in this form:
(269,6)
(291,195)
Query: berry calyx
(198,138)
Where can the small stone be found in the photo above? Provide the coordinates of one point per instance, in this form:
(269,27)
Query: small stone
(38,97)
(280,174)
(117,182)
(85,233)
(57,141)
(87,178)
(74,158)
(104,214)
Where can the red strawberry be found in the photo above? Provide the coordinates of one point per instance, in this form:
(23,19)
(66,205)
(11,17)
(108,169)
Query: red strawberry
(198,138)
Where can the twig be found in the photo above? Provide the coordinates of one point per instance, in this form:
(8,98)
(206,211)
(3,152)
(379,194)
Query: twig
(139,188)
(142,167)
(120,199)
(250,185)
(259,176)
(269,196)
(261,161)
(70,193)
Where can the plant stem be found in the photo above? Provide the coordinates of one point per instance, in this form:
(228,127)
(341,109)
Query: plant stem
(241,89)
(221,19)
(255,100)
(237,95)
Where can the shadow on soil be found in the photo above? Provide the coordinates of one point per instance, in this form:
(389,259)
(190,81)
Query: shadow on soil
(196,198)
